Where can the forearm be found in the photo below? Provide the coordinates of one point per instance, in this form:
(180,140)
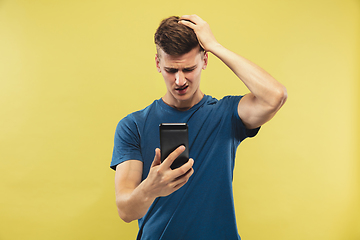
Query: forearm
(132,204)
(134,197)
(260,83)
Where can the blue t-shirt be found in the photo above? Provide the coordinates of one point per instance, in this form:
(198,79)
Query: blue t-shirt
(203,208)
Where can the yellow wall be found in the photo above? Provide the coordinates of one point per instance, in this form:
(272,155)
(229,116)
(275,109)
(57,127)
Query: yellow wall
(70,70)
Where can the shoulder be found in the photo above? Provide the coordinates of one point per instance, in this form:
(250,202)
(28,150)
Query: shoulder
(139,116)
(225,108)
(229,101)
(146,110)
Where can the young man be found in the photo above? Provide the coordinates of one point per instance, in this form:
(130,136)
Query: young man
(194,201)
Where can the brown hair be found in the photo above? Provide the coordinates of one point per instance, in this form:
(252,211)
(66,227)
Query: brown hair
(174,38)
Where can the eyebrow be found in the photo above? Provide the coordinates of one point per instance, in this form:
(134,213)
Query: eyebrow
(184,69)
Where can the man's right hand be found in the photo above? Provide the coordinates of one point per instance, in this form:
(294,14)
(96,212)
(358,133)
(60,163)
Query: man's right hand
(162,180)
(134,197)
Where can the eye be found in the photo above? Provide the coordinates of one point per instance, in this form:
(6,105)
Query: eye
(171,70)
(189,69)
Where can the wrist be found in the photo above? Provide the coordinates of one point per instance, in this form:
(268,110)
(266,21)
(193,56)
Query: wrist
(215,48)
(144,192)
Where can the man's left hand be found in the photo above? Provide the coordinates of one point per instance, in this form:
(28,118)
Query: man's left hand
(202,30)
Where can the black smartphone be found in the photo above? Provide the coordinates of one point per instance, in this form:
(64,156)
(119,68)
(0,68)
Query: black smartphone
(172,136)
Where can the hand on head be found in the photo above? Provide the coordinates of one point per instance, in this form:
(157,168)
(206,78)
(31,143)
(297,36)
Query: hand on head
(202,30)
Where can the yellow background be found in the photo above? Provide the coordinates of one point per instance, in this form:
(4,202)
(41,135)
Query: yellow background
(70,70)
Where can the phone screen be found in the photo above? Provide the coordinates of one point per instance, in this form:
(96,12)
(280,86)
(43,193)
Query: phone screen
(172,136)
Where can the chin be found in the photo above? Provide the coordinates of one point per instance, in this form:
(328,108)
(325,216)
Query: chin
(182,98)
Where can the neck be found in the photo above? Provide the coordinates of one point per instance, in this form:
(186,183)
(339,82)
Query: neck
(183,105)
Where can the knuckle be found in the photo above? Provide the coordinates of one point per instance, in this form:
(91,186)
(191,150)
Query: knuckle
(164,179)
(159,171)
(182,170)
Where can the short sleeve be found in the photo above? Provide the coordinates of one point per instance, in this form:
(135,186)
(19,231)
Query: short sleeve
(240,129)
(126,142)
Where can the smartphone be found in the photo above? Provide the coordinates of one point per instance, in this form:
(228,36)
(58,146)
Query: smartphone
(172,136)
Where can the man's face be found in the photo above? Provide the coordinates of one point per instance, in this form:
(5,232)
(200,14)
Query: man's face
(182,76)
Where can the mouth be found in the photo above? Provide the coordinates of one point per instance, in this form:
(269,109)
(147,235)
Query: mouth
(182,90)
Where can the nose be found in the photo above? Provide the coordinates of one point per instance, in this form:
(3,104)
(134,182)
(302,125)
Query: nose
(180,78)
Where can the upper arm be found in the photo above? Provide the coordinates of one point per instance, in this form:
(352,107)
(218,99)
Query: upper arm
(128,176)
(255,113)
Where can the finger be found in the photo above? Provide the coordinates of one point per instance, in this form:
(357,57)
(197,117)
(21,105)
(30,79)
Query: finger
(183,179)
(184,169)
(193,18)
(190,20)
(172,156)
(157,158)
(187,23)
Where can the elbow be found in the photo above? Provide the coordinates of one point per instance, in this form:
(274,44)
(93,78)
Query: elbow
(283,96)
(125,217)
(280,97)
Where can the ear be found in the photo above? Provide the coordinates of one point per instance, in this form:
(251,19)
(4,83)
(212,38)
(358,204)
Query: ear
(157,60)
(205,59)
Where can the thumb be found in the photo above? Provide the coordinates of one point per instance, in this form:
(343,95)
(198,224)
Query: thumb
(157,158)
